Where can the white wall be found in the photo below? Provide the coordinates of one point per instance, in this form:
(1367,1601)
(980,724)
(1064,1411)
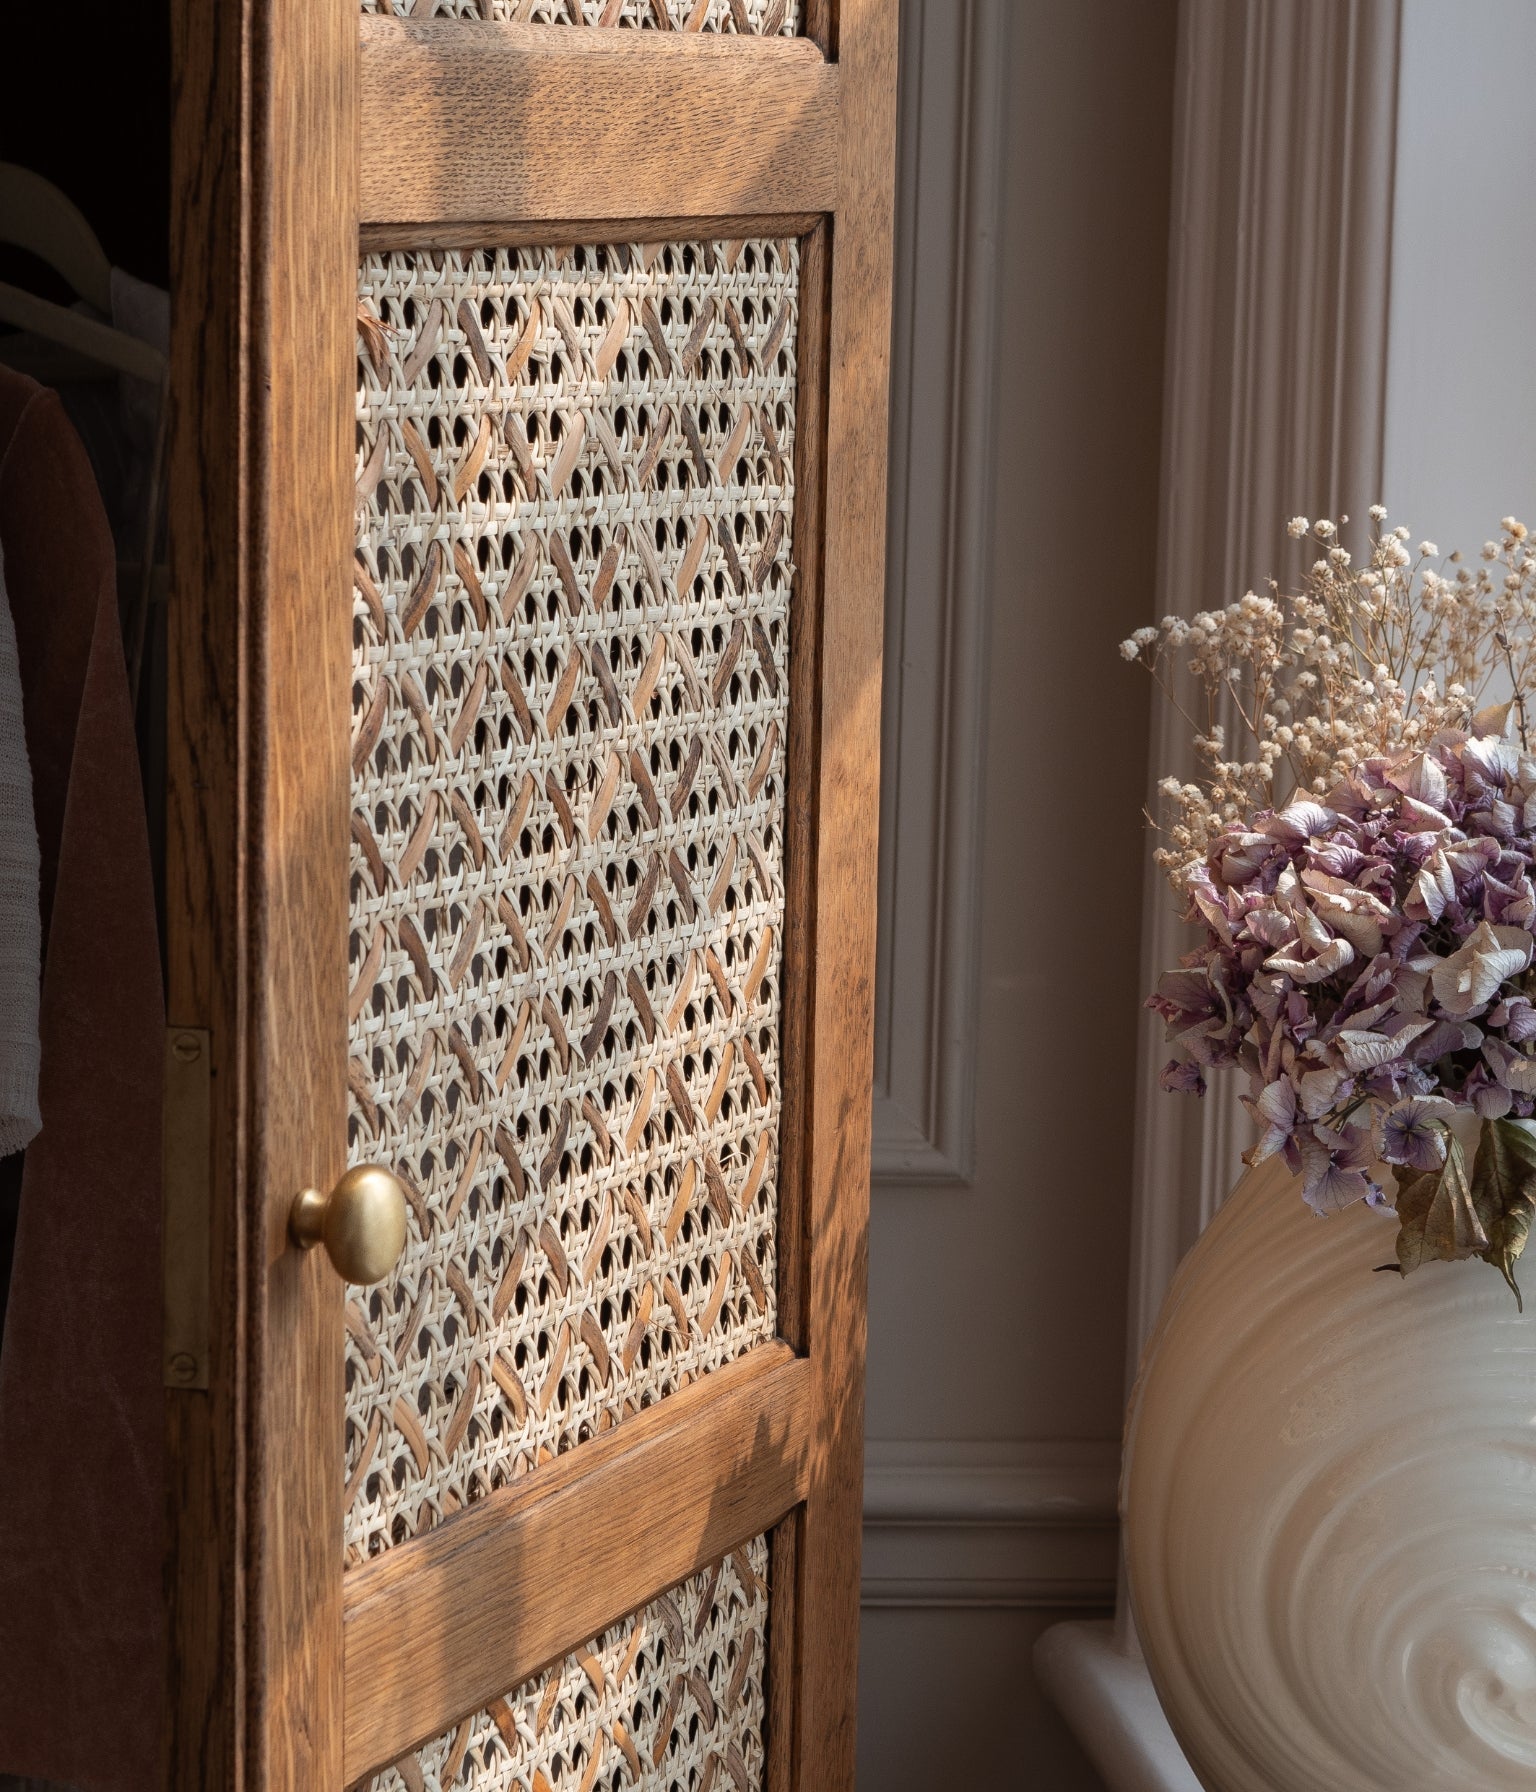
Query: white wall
(1461,383)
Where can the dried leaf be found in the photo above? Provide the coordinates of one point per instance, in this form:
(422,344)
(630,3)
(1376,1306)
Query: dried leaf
(1504,1193)
(1492,720)
(1438,1221)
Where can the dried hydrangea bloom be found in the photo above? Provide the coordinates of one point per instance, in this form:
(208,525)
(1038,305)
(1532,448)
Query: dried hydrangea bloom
(1362,873)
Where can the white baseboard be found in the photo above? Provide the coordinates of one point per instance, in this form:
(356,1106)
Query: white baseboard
(994,1524)
(1107,1699)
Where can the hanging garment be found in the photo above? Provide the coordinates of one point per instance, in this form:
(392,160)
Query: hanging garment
(21,939)
(115,414)
(81,1412)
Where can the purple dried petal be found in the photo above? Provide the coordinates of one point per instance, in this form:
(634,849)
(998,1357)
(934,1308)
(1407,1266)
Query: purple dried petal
(1298,822)
(1492,1100)
(1330,1180)
(1413,1132)
(1181,1076)
(1274,1110)
(1511,1068)
(1418,775)
(1328,963)
(1517,1018)
(1492,761)
(1466,982)
(1270,926)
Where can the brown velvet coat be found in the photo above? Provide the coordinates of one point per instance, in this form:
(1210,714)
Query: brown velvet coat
(81,1405)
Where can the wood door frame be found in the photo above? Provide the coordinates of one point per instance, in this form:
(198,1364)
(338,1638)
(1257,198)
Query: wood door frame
(277,171)
(205,945)
(263,271)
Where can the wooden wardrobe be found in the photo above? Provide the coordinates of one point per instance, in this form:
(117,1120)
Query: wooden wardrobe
(527,506)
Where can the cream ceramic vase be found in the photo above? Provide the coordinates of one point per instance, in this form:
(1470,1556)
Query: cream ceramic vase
(1329,1507)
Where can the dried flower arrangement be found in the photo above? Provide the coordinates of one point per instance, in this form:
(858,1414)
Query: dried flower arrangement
(1358,851)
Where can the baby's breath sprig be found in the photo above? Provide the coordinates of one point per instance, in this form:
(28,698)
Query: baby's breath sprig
(1299,689)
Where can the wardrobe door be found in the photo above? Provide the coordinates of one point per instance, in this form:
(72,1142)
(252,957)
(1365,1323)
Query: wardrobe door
(529,493)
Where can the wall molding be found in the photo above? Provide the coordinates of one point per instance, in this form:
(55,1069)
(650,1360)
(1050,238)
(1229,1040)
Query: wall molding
(951,1524)
(1275,395)
(942,433)
(1275,381)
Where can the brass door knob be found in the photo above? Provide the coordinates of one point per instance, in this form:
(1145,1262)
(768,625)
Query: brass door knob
(361,1223)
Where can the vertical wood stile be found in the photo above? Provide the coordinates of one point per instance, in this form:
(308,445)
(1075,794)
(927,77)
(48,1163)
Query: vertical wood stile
(304,230)
(837,1118)
(799,948)
(205,961)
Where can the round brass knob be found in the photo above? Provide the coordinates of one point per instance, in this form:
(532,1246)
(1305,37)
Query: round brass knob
(361,1223)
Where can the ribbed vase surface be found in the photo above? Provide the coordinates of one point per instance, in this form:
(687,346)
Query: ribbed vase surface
(1330,1509)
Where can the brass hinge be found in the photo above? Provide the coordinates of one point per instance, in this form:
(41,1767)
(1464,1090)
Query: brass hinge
(185,1206)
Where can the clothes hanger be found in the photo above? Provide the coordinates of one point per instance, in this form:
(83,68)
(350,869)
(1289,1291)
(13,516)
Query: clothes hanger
(96,342)
(35,215)
(38,216)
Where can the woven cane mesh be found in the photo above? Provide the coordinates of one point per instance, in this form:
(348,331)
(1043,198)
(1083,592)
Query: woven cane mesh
(671,1700)
(570,684)
(759,18)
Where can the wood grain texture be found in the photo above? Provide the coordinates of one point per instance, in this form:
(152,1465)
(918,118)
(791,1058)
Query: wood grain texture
(840,1046)
(463,122)
(783,1648)
(436,1627)
(205,946)
(572,132)
(532,232)
(303,304)
(801,759)
(799,953)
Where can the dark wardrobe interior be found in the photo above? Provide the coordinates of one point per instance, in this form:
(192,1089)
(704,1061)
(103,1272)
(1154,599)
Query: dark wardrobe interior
(107,142)
(107,149)
(85,133)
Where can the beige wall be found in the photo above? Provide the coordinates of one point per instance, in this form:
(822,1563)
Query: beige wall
(958,1708)
(998,1256)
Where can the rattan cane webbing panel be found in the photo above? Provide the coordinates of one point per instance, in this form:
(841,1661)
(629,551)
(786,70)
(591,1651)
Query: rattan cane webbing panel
(671,1700)
(571,675)
(759,18)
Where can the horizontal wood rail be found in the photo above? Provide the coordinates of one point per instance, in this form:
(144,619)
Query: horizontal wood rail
(440,1625)
(468,122)
(476,233)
